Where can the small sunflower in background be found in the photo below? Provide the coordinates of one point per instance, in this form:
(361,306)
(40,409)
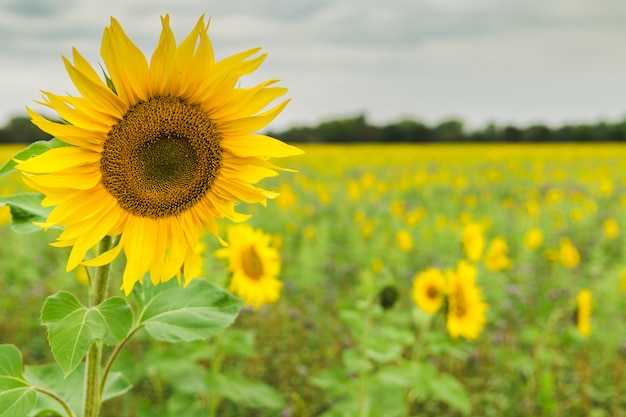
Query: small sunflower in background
(428,290)
(582,315)
(466,307)
(254,264)
(497,258)
(568,253)
(156,151)
(473,241)
(533,238)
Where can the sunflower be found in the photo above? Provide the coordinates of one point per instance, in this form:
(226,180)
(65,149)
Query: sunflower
(158,151)
(428,290)
(583,312)
(254,264)
(473,241)
(497,258)
(466,308)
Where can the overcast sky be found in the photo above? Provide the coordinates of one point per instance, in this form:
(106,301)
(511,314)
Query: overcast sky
(503,61)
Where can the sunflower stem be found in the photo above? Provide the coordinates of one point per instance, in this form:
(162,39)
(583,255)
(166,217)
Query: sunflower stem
(97,294)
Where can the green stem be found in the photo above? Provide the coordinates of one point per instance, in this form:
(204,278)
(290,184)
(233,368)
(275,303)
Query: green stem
(216,366)
(60,400)
(116,351)
(97,294)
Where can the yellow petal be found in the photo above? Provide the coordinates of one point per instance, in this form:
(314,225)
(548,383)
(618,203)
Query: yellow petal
(58,159)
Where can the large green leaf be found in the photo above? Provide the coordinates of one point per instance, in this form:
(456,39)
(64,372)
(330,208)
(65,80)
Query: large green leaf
(52,378)
(33,149)
(25,209)
(72,327)
(449,390)
(17,397)
(178,314)
(254,394)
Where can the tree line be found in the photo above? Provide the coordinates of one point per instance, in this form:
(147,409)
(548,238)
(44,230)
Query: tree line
(358,130)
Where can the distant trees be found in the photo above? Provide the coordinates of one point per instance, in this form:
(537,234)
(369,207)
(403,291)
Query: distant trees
(358,130)
(21,130)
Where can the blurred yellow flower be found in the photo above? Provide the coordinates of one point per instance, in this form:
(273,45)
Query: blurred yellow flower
(397,208)
(428,290)
(610,228)
(568,254)
(466,308)
(404,240)
(583,312)
(377,265)
(497,255)
(533,238)
(606,187)
(286,196)
(254,264)
(473,241)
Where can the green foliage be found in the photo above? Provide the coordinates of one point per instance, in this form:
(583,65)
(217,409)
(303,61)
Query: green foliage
(72,327)
(171,313)
(51,378)
(34,149)
(21,130)
(358,130)
(17,397)
(25,209)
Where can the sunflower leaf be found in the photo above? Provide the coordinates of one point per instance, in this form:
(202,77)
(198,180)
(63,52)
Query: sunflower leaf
(177,314)
(34,149)
(52,378)
(17,397)
(72,327)
(25,209)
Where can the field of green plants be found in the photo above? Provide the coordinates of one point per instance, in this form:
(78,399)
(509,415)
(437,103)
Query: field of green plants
(354,226)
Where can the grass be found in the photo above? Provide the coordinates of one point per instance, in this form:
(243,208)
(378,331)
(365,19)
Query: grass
(337,222)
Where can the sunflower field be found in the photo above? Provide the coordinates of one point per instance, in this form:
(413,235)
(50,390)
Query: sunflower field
(384,281)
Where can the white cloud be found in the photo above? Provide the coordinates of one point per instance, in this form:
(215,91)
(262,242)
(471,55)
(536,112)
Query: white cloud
(503,60)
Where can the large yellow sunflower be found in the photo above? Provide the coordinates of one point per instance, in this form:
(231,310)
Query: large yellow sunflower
(254,264)
(466,308)
(159,150)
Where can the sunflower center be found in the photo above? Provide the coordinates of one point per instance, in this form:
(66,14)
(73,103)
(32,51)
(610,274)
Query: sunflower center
(460,305)
(162,158)
(432,292)
(251,263)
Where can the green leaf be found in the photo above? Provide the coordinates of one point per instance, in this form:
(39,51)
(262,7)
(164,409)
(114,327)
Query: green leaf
(25,209)
(254,394)
(17,402)
(196,312)
(17,397)
(118,316)
(34,149)
(52,378)
(72,327)
(449,390)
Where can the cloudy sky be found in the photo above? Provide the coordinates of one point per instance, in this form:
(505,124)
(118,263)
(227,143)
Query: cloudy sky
(503,61)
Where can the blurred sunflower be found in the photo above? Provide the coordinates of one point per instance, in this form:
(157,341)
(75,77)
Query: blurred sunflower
(610,227)
(583,312)
(568,253)
(159,150)
(533,238)
(473,241)
(254,264)
(497,258)
(428,290)
(466,308)
(404,239)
